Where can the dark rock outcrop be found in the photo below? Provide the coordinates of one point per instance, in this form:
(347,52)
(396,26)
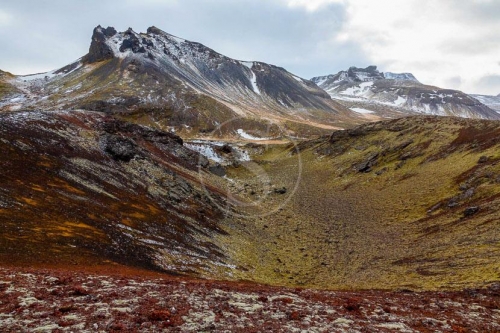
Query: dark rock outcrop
(281,190)
(99,50)
(469,211)
(132,43)
(217,169)
(120,148)
(367,165)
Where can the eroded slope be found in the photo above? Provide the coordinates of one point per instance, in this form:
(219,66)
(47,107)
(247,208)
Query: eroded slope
(80,187)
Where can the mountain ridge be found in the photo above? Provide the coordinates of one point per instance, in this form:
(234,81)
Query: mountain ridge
(389,94)
(167,79)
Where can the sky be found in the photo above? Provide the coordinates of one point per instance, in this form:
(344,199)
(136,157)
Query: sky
(446,43)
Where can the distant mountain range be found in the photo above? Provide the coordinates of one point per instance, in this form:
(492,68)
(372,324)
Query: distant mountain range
(493,102)
(369,91)
(169,83)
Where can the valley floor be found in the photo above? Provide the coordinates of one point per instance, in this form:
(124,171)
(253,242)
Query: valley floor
(59,300)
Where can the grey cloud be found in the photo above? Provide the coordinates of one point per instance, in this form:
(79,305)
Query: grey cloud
(473,45)
(489,84)
(49,34)
(473,12)
(453,82)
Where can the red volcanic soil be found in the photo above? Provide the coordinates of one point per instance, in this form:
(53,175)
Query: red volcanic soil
(59,300)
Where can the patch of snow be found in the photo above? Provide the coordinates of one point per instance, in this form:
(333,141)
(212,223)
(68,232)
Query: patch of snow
(18,99)
(245,135)
(205,150)
(360,110)
(400,101)
(349,91)
(321,81)
(254,83)
(39,76)
(281,102)
(358,90)
(366,84)
(332,88)
(400,76)
(248,64)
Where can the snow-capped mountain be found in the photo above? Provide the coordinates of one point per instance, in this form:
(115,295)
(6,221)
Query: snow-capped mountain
(367,90)
(177,83)
(493,102)
(400,76)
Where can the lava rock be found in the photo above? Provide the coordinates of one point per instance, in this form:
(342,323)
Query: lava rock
(281,190)
(217,170)
(469,211)
(99,50)
(227,149)
(483,159)
(132,43)
(120,148)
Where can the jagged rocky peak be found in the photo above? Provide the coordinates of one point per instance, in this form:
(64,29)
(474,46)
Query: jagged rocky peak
(108,43)
(369,73)
(99,50)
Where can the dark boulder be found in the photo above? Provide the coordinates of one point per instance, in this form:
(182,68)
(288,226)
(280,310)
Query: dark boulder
(120,148)
(483,159)
(217,170)
(226,149)
(281,190)
(469,211)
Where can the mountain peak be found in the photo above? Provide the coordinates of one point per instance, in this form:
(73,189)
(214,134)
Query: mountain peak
(154,30)
(99,50)
(369,73)
(155,70)
(107,43)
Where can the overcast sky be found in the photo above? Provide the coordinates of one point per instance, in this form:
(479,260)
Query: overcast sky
(448,43)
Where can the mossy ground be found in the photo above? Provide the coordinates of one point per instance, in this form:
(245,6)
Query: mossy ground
(393,227)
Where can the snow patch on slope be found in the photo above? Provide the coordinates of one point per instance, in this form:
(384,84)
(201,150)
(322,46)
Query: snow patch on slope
(253,80)
(400,76)
(205,150)
(361,110)
(358,90)
(400,101)
(247,136)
